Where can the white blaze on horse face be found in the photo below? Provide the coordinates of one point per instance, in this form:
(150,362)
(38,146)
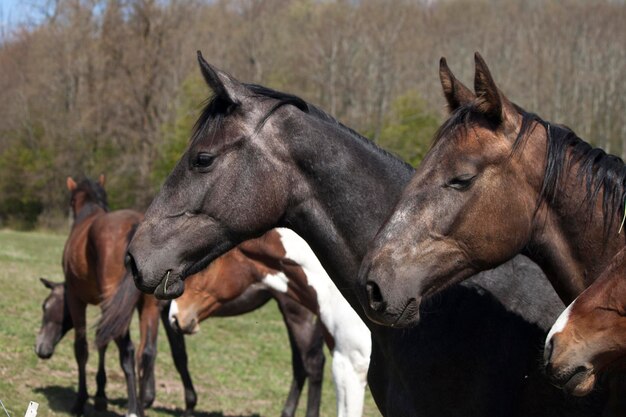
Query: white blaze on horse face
(560,323)
(173,312)
(278,281)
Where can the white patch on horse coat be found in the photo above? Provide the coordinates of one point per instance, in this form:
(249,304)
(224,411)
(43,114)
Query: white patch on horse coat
(278,281)
(173,311)
(353,342)
(560,323)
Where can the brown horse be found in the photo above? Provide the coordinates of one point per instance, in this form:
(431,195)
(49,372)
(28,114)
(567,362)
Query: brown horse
(590,335)
(282,262)
(92,264)
(497,181)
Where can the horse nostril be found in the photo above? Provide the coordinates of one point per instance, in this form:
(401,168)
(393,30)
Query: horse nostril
(375,297)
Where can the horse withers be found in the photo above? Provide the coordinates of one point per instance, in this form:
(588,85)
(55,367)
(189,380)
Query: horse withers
(281,262)
(589,338)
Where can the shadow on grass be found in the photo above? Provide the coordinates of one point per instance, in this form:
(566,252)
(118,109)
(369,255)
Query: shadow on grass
(196,413)
(61,399)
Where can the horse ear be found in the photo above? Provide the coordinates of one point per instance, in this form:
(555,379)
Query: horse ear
(101,180)
(488,99)
(71,184)
(222,84)
(47,283)
(456,93)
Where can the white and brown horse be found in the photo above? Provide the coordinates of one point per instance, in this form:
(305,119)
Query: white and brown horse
(282,262)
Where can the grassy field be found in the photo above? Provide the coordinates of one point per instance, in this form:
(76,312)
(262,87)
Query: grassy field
(240,366)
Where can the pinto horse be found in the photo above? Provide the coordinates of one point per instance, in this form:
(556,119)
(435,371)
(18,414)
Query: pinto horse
(589,338)
(283,263)
(305,332)
(497,181)
(260,159)
(93,266)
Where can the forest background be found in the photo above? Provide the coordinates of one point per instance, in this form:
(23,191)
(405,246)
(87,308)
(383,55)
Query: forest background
(112,86)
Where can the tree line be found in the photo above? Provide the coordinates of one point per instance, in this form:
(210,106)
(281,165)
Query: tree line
(111,86)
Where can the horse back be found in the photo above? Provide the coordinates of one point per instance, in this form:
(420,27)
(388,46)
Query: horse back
(108,238)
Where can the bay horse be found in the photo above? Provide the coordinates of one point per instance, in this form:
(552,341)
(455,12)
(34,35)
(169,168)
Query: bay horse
(260,159)
(498,181)
(589,338)
(93,266)
(284,264)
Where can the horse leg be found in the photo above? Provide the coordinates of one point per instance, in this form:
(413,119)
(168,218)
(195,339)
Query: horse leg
(81,352)
(307,352)
(179,355)
(146,355)
(100,400)
(127,362)
(350,379)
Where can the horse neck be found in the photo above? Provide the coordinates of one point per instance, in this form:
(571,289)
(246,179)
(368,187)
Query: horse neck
(89,210)
(351,187)
(570,241)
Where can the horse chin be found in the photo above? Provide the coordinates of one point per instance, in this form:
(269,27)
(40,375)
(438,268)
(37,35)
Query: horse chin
(169,288)
(409,317)
(580,383)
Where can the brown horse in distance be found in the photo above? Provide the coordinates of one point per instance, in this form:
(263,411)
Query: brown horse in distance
(589,338)
(93,266)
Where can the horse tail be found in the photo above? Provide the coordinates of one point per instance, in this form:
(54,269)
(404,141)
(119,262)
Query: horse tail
(117,310)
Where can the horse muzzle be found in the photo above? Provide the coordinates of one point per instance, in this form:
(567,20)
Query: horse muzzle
(44,350)
(165,285)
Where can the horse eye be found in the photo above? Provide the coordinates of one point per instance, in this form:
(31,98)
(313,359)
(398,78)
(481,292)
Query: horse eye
(203,160)
(462,182)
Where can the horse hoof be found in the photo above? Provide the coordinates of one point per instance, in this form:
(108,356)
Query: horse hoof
(147,402)
(188,412)
(100,403)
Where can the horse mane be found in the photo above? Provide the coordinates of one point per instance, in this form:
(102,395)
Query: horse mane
(216,109)
(597,170)
(94,191)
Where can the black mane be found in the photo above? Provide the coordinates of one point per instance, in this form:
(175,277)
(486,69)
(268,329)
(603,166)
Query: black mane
(596,169)
(216,110)
(94,191)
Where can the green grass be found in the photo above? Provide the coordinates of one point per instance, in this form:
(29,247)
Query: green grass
(240,365)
